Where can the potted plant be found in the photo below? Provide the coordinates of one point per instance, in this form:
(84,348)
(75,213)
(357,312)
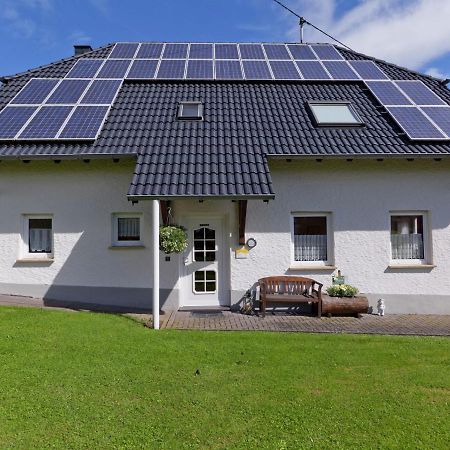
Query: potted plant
(342,299)
(172,239)
(342,290)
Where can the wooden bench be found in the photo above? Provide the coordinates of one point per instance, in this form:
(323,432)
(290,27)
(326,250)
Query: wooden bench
(289,289)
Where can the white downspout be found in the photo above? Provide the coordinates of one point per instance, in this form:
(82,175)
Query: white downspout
(155,239)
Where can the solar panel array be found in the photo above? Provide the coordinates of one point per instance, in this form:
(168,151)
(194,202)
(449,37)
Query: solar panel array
(77,106)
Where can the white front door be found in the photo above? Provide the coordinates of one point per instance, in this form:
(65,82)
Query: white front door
(203,264)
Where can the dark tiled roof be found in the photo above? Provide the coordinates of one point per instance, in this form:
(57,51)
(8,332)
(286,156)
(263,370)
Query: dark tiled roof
(226,154)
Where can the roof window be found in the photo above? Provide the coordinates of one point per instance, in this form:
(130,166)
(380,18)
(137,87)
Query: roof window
(334,114)
(190,111)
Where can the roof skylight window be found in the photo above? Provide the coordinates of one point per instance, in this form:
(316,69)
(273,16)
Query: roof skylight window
(190,111)
(334,114)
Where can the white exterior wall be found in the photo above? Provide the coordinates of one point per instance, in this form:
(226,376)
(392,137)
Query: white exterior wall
(81,197)
(360,196)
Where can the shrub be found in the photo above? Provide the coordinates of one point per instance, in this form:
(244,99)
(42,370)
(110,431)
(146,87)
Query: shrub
(172,239)
(342,290)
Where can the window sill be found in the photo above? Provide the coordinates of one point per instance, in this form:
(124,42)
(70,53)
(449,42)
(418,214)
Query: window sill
(411,266)
(314,268)
(35,260)
(126,247)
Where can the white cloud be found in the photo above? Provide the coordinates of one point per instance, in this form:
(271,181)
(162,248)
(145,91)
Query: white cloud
(411,33)
(80,37)
(436,73)
(101,5)
(15,16)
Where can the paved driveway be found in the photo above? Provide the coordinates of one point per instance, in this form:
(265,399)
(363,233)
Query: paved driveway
(408,324)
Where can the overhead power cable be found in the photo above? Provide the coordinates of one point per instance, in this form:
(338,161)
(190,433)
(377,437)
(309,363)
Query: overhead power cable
(303,21)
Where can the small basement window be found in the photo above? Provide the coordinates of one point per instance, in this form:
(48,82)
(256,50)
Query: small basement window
(334,114)
(190,111)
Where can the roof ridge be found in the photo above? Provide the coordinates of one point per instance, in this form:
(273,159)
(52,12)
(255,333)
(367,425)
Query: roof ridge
(373,58)
(6,78)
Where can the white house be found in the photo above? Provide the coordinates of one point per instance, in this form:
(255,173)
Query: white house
(324,158)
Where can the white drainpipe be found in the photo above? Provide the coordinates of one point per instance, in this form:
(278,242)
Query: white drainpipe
(155,239)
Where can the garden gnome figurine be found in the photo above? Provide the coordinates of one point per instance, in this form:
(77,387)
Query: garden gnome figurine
(381,307)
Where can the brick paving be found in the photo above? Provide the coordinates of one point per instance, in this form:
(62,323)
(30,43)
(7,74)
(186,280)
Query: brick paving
(395,324)
(406,324)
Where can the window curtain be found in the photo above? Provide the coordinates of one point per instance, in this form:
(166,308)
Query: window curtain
(407,246)
(128,228)
(311,247)
(40,240)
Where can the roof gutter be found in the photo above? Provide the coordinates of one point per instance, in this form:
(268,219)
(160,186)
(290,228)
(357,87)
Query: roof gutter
(135,198)
(360,156)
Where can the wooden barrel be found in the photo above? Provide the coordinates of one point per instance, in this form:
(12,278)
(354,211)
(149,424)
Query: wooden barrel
(344,305)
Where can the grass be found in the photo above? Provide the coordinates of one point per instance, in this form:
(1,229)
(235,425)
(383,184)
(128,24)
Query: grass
(97,381)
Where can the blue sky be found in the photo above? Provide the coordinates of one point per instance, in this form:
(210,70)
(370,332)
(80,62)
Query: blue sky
(413,33)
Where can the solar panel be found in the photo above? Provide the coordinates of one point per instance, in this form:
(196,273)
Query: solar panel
(173,51)
(46,123)
(312,70)
(256,70)
(85,122)
(419,93)
(200,69)
(85,68)
(143,69)
(387,93)
(340,70)
(201,51)
(251,51)
(228,70)
(284,70)
(124,50)
(226,51)
(149,51)
(35,92)
(368,70)
(276,51)
(440,116)
(171,69)
(301,51)
(114,68)
(13,118)
(68,91)
(101,92)
(326,52)
(414,123)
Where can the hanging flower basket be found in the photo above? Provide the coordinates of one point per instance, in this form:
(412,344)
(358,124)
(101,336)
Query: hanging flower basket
(172,239)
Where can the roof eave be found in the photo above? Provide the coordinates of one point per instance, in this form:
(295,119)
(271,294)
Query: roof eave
(201,197)
(359,156)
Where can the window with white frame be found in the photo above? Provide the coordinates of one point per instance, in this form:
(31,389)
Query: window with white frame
(311,239)
(127,229)
(334,113)
(37,236)
(409,237)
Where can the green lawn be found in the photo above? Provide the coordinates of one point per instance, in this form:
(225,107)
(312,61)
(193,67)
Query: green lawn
(99,381)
